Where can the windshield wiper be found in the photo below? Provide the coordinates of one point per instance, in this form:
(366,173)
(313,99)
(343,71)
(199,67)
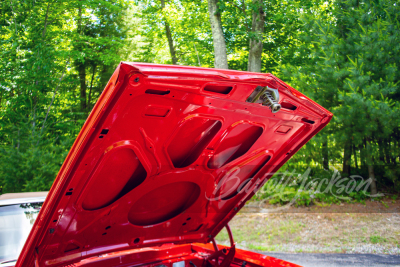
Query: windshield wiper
(7,261)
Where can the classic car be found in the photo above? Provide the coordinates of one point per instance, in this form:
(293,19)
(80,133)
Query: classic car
(166,158)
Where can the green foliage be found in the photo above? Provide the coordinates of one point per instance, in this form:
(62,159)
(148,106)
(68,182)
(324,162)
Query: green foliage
(57,56)
(41,50)
(190,29)
(351,69)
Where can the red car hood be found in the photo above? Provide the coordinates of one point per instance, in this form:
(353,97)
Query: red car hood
(169,154)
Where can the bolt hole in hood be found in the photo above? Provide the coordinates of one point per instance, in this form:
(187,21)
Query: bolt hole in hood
(168,155)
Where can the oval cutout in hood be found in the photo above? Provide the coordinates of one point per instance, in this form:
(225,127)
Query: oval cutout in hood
(163,203)
(118,173)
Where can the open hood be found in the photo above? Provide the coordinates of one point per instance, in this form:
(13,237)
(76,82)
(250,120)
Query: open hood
(169,154)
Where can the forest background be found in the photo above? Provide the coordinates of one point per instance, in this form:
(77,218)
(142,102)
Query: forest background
(56,57)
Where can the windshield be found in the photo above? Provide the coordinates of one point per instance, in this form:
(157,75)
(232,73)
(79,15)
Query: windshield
(15,224)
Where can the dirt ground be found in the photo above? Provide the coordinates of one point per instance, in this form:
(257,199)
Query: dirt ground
(346,228)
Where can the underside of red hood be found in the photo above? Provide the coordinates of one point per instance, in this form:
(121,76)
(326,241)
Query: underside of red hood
(169,154)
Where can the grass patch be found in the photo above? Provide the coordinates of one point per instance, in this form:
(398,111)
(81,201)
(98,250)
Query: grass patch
(266,232)
(313,232)
(265,248)
(376,239)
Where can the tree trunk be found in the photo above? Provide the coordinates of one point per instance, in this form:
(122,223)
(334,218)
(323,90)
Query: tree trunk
(346,159)
(396,143)
(81,67)
(371,175)
(220,58)
(91,86)
(171,44)
(325,154)
(256,44)
(370,164)
(355,157)
(169,37)
(362,156)
(380,150)
(79,28)
(82,79)
(45,21)
(387,149)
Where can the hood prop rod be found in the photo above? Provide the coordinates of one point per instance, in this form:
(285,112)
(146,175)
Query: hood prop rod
(227,256)
(228,229)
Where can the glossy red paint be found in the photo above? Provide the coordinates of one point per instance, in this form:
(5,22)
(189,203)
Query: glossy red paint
(169,154)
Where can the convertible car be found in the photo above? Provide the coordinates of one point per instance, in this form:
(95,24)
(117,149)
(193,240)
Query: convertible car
(168,155)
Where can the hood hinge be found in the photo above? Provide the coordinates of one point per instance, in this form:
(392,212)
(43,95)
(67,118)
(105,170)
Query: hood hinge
(227,255)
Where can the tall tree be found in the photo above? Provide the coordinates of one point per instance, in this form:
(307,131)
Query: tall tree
(256,39)
(148,41)
(220,57)
(352,71)
(96,45)
(80,62)
(169,37)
